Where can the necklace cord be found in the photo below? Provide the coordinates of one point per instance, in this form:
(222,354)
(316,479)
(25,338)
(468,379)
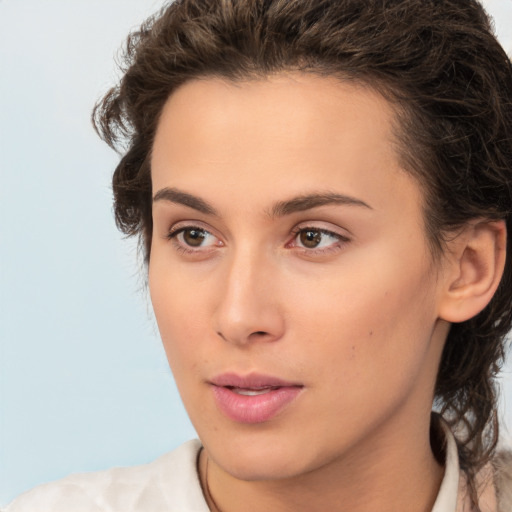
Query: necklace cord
(207,487)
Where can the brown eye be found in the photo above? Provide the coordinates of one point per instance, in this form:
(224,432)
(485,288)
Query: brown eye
(317,240)
(310,238)
(194,237)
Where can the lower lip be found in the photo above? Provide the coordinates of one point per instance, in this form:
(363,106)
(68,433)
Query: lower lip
(255,408)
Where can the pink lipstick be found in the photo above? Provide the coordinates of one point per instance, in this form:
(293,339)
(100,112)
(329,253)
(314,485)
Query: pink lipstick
(253,398)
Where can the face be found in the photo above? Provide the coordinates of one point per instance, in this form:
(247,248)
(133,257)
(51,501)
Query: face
(290,273)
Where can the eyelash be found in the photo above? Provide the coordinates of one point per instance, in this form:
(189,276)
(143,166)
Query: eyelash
(181,247)
(184,249)
(341,240)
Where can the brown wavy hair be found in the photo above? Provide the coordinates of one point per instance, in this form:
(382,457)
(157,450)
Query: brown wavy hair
(436,61)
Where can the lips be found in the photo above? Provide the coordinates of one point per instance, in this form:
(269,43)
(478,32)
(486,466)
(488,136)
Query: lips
(252,398)
(251,392)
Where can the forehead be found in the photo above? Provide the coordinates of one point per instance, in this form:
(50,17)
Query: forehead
(304,106)
(285,133)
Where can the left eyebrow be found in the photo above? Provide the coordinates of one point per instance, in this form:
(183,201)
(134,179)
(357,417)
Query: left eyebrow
(309,201)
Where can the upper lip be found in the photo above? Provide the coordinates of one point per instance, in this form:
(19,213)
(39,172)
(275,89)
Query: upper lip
(251,381)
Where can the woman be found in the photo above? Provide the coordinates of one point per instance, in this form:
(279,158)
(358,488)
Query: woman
(322,190)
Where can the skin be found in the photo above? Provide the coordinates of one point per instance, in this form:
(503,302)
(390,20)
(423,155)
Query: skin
(360,321)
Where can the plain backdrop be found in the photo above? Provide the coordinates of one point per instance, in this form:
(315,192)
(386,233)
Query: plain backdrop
(84,383)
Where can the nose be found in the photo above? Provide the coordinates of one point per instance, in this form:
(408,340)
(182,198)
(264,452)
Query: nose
(248,308)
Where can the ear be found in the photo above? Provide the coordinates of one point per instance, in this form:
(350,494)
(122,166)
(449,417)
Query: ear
(474,263)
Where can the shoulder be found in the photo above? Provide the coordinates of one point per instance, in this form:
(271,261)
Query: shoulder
(503,480)
(168,483)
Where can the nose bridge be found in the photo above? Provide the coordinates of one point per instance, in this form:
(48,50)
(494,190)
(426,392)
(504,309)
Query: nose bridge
(247,308)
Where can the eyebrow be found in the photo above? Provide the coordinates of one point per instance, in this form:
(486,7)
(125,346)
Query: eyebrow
(309,201)
(173,195)
(279,209)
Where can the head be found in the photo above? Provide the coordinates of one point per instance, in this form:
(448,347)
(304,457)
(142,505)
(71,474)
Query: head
(443,86)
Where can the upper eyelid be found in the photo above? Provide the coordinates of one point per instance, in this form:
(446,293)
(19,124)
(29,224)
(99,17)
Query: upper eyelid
(315,228)
(182,225)
(341,232)
(173,230)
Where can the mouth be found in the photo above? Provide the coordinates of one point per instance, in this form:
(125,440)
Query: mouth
(251,391)
(253,398)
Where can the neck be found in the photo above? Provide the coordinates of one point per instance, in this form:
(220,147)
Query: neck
(389,473)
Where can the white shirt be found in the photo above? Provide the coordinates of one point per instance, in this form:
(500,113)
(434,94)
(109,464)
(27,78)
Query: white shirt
(171,484)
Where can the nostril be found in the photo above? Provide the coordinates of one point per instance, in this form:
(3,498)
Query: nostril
(253,335)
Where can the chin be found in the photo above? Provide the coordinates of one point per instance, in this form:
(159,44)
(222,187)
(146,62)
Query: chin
(260,468)
(264,456)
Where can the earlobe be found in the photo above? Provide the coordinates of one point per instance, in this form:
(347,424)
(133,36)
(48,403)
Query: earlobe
(473,270)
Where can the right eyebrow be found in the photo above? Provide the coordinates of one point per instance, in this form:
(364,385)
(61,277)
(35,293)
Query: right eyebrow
(174,195)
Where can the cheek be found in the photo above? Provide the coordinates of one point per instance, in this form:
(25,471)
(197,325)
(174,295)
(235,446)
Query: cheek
(176,309)
(375,319)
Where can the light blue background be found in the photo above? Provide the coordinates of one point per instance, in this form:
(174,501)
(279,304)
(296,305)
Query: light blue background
(84,383)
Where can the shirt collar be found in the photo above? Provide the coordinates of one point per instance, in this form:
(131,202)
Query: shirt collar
(448,492)
(452,495)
